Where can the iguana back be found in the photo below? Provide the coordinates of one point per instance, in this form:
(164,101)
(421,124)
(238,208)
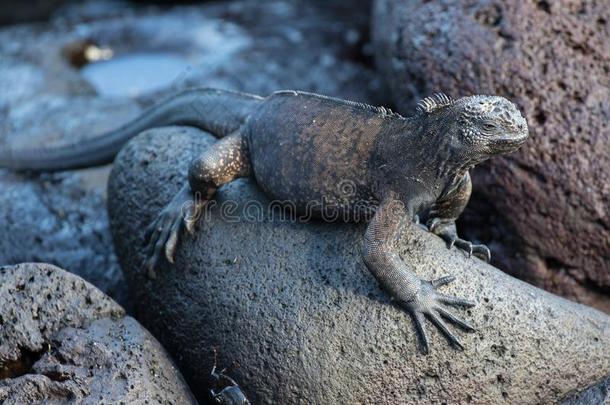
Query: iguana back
(322,147)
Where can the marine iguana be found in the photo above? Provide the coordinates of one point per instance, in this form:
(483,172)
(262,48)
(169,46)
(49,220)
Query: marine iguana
(302,148)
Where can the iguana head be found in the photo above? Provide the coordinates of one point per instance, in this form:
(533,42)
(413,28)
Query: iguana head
(480,126)
(491,124)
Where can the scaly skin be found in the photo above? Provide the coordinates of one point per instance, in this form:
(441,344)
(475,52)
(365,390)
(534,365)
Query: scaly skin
(336,157)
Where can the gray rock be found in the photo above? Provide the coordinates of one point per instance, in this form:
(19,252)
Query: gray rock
(61,339)
(252,46)
(293,304)
(61,218)
(550,200)
(57,219)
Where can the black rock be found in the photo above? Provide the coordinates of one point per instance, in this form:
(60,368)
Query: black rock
(57,219)
(12,12)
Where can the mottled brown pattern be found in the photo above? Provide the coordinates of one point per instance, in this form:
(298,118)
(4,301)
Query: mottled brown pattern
(323,152)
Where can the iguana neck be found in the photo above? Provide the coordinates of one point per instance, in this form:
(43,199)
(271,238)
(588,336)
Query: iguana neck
(444,162)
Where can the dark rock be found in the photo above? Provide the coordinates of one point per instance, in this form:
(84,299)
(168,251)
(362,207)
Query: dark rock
(56,219)
(61,218)
(552,59)
(250,46)
(294,306)
(61,339)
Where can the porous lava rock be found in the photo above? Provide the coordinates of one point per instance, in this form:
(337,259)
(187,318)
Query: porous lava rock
(550,201)
(58,219)
(62,339)
(294,306)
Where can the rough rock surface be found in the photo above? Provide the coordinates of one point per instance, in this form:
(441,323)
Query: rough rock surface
(62,339)
(46,99)
(56,219)
(551,200)
(294,306)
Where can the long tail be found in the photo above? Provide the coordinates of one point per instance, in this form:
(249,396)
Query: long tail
(217,111)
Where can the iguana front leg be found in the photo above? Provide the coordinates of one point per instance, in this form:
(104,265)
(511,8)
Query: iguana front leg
(446,210)
(417,296)
(223,162)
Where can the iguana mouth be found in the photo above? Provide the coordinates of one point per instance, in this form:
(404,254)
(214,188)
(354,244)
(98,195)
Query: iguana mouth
(509,143)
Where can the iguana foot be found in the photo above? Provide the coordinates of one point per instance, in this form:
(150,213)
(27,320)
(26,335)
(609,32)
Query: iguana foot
(162,234)
(480,251)
(427,303)
(448,233)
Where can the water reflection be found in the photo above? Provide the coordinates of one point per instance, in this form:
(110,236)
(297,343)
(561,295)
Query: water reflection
(134,74)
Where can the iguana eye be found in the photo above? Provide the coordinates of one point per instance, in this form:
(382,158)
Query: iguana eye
(489,127)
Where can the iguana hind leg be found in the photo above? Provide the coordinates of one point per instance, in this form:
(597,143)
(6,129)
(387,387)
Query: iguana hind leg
(222,163)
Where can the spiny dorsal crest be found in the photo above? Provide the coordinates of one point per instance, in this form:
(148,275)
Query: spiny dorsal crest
(383,111)
(433,103)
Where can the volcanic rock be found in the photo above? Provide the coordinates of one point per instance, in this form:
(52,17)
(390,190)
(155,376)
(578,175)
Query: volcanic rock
(61,339)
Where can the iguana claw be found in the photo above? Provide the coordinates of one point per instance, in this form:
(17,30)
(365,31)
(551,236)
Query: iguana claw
(162,235)
(448,233)
(481,251)
(427,304)
(418,222)
(162,238)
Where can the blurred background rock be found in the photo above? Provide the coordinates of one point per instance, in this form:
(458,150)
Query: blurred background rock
(12,12)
